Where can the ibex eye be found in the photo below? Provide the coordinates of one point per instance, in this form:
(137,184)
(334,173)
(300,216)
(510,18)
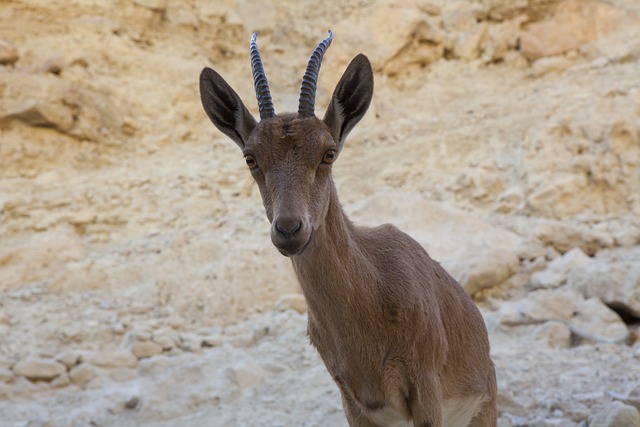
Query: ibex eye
(251,161)
(329,157)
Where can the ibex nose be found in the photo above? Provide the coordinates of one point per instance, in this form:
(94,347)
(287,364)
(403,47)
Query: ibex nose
(288,227)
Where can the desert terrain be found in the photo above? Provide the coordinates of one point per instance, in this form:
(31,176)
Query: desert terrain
(138,283)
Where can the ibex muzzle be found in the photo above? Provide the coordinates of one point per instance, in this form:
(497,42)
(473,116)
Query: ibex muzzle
(400,337)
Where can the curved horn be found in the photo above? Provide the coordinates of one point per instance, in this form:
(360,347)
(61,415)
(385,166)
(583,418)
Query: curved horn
(307,101)
(265,104)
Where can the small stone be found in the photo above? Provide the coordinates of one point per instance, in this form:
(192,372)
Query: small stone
(142,349)
(53,65)
(6,375)
(113,359)
(190,342)
(62,380)
(164,341)
(122,374)
(39,369)
(82,374)
(214,340)
(245,374)
(295,302)
(8,53)
(132,402)
(68,359)
(616,414)
(597,322)
(553,334)
(633,398)
(552,64)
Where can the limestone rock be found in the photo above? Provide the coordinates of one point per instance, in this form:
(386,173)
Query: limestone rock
(553,334)
(245,374)
(573,24)
(82,374)
(8,53)
(113,359)
(142,349)
(559,270)
(295,302)
(613,276)
(39,369)
(551,64)
(540,306)
(616,414)
(597,322)
(6,375)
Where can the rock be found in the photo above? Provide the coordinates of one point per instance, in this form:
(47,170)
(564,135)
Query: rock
(142,349)
(130,338)
(6,375)
(633,397)
(164,341)
(295,302)
(39,369)
(597,322)
(245,374)
(82,374)
(40,255)
(553,334)
(616,414)
(612,276)
(155,5)
(551,64)
(394,36)
(559,270)
(484,270)
(573,24)
(539,306)
(8,53)
(113,359)
(214,340)
(190,342)
(68,359)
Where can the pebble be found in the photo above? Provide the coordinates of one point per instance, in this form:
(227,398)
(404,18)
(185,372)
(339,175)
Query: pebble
(82,374)
(113,359)
(295,302)
(8,53)
(142,349)
(6,375)
(39,369)
(616,414)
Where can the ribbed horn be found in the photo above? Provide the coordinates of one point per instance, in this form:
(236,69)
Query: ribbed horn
(307,101)
(265,103)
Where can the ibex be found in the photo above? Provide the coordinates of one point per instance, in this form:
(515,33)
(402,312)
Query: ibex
(401,338)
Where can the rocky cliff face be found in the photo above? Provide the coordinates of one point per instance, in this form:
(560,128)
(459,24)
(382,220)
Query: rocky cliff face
(138,284)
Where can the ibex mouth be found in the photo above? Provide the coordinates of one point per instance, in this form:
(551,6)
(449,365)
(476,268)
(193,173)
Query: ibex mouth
(290,249)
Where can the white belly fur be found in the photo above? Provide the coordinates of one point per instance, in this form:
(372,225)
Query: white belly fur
(458,412)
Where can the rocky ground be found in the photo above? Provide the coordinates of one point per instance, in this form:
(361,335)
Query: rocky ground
(138,285)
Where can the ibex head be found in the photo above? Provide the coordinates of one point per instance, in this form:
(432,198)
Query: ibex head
(290,155)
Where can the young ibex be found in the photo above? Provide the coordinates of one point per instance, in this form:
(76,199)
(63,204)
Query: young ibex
(402,340)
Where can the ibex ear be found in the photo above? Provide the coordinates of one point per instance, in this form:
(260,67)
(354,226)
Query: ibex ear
(350,99)
(225,108)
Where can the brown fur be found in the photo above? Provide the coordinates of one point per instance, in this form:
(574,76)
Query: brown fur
(398,334)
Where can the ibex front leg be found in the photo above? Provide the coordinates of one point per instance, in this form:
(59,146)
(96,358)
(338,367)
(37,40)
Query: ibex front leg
(425,401)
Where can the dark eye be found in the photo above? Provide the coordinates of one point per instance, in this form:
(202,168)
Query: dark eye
(251,161)
(329,157)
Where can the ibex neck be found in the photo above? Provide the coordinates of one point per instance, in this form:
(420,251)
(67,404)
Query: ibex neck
(333,267)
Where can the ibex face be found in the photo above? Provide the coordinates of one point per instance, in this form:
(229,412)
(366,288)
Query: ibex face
(290,155)
(290,159)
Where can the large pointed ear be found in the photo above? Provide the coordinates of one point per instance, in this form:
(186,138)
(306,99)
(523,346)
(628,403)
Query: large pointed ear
(350,99)
(225,108)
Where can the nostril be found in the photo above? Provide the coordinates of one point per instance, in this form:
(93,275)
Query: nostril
(288,227)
